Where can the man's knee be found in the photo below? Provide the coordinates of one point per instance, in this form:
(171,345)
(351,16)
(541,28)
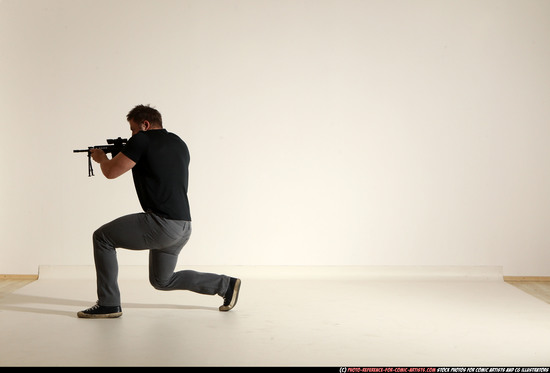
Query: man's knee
(101,241)
(159,284)
(98,237)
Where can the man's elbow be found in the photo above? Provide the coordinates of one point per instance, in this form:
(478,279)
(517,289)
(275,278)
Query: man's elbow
(109,172)
(110,175)
(117,166)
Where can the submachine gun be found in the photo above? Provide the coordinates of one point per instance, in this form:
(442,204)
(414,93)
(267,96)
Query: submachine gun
(114,147)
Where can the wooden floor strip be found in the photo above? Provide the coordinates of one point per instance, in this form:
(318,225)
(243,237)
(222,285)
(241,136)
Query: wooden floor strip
(526,278)
(18,277)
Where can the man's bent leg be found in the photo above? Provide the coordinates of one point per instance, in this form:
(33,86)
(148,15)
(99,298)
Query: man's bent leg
(165,239)
(162,263)
(125,232)
(163,277)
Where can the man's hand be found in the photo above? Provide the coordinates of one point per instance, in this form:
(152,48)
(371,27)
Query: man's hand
(112,168)
(98,155)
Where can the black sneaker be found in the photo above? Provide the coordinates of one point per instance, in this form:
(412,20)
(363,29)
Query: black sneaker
(232,294)
(100,312)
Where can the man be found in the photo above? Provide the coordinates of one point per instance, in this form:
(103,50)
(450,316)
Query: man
(159,162)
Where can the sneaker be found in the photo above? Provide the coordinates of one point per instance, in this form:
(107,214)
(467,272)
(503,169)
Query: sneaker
(100,312)
(232,294)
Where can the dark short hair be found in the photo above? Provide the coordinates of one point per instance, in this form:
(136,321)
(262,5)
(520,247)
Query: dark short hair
(145,113)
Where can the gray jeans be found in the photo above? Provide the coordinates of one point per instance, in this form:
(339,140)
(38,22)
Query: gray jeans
(164,238)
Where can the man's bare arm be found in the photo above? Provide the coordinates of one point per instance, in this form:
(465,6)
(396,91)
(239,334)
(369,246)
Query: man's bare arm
(112,168)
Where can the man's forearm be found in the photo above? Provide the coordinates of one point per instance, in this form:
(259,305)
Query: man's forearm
(112,168)
(106,168)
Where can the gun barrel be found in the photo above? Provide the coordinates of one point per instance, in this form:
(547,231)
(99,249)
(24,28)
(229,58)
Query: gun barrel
(105,148)
(114,147)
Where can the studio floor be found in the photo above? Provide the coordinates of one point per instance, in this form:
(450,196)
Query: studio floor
(286,316)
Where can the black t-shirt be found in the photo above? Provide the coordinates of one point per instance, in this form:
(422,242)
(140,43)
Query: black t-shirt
(161,172)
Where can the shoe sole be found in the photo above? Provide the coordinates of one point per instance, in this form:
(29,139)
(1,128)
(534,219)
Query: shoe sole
(235,297)
(114,315)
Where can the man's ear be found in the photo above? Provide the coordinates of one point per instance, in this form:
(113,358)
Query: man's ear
(145,125)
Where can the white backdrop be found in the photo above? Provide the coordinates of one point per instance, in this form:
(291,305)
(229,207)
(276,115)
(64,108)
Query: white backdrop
(368,132)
